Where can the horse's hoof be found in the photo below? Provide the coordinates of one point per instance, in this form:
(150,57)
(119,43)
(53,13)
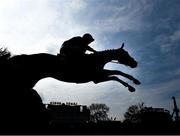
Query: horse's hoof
(131,89)
(136,82)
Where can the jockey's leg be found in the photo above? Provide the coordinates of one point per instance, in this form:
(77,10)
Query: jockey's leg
(130,88)
(117,72)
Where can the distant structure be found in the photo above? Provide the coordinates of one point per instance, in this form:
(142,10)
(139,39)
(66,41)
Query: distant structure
(156,115)
(175,110)
(68,113)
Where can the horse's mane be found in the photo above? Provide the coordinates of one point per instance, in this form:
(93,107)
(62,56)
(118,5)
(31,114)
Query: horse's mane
(107,51)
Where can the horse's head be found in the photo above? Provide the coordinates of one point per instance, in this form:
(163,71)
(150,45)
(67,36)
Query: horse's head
(125,58)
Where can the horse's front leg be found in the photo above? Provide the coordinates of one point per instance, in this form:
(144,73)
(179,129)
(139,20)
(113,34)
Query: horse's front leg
(117,72)
(109,78)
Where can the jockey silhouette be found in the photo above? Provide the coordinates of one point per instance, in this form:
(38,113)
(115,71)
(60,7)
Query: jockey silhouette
(77,46)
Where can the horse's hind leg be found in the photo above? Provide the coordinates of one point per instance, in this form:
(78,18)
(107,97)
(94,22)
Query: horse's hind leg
(117,72)
(130,88)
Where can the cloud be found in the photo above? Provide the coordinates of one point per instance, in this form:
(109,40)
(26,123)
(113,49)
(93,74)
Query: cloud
(175,36)
(24,25)
(83,93)
(112,16)
(42,20)
(169,42)
(27,25)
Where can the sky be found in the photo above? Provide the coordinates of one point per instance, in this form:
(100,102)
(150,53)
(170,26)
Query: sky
(149,29)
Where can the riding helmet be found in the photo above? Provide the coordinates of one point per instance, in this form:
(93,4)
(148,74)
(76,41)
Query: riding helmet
(88,37)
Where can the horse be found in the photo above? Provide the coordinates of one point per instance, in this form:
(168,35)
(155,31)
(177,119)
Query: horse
(90,67)
(32,68)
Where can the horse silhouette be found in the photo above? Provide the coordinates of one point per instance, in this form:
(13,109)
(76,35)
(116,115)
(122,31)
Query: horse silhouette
(22,107)
(90,67)
(32,68)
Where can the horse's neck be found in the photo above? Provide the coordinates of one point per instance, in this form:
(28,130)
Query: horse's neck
(108,55)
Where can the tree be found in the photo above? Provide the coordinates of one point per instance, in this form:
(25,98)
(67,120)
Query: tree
(4,56)
(98,112)
(142,114)
(4,53)
(133,113)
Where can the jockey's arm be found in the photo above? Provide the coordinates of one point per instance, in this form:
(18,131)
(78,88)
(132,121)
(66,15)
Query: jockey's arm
(91,49)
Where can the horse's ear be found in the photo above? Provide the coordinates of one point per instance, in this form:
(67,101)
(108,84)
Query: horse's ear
(122,46)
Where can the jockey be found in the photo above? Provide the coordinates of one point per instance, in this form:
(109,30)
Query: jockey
(77,46)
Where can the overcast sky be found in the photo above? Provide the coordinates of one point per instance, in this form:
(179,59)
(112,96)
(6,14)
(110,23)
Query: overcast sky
(149,29)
